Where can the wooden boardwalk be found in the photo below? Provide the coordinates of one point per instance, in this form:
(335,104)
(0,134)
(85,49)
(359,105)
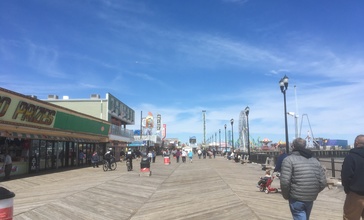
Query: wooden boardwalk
(205,189)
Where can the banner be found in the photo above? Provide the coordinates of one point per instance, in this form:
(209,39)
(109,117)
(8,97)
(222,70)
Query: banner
(159,122)
(164,131)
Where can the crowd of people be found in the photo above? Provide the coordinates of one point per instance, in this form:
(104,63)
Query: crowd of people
(301,176)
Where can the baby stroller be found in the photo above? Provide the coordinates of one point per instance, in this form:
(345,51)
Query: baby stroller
(265,185)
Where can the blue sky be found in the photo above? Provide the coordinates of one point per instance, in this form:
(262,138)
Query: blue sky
(177,58)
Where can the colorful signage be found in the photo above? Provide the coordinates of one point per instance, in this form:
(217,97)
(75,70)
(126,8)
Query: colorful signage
(20,110)
(119,110)
(149,121)
(164,131)
(16,110)
(159,117)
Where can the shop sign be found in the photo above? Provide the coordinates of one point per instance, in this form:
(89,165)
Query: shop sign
(159,117)
(118,109)
(17,110)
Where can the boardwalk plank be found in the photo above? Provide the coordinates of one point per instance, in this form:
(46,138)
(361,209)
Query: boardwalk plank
(205,189)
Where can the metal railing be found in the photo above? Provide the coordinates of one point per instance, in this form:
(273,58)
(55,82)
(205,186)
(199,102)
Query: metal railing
(333,165)
(117,130)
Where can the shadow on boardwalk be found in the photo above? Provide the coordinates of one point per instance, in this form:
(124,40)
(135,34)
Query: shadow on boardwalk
(204,189)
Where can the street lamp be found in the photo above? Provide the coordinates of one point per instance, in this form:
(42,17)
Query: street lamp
(283,84)
(225,140)
(220,139)
(212,141)
(232,133)
(215,145)
(247,109)
(204,127)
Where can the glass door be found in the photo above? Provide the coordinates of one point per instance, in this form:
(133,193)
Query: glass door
(89,152)
(81,154)
(73,153)
(34,156)
(51,155)
(43,155)
(59,154)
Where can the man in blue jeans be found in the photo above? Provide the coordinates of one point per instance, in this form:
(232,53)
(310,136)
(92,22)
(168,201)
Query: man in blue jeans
(302,179)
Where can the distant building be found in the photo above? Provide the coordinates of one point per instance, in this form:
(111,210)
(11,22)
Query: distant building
(42,136)
(332,143)
(109,109)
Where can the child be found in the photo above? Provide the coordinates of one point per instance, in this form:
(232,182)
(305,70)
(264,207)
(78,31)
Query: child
(190,155)
(264,180)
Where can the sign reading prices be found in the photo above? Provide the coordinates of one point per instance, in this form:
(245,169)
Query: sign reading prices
(159,122)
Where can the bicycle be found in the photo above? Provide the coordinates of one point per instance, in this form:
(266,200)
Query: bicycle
(112,166)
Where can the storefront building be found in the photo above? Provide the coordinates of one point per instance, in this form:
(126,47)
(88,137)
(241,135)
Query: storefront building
(41,136)
(110,109)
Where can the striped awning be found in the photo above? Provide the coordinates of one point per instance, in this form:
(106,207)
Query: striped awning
(44,137)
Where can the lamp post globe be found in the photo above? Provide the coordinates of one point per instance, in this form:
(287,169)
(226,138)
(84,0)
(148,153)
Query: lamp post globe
(232,133)
(283,84)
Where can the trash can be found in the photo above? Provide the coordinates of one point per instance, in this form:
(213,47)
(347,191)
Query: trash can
(145,166)
(144,163)
(6,204)
(167,160)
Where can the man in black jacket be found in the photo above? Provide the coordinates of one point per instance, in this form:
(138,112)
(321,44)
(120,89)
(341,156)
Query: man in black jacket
(353,180)
(108,156)
(282,155)
(130,156)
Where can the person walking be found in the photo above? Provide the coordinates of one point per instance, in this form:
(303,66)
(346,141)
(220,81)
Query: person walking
(154,155)
(190,155)
(122,155)
(109,156)
(130,156)
(95,160)
(150,156)
(352,179)
(282,155)
(199,153)
(184,155)
(177,155)
(231,156)
(302,179)
(8,164)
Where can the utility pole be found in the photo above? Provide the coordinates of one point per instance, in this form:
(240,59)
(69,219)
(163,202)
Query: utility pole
(296,115)
(204,127)
(141,125)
